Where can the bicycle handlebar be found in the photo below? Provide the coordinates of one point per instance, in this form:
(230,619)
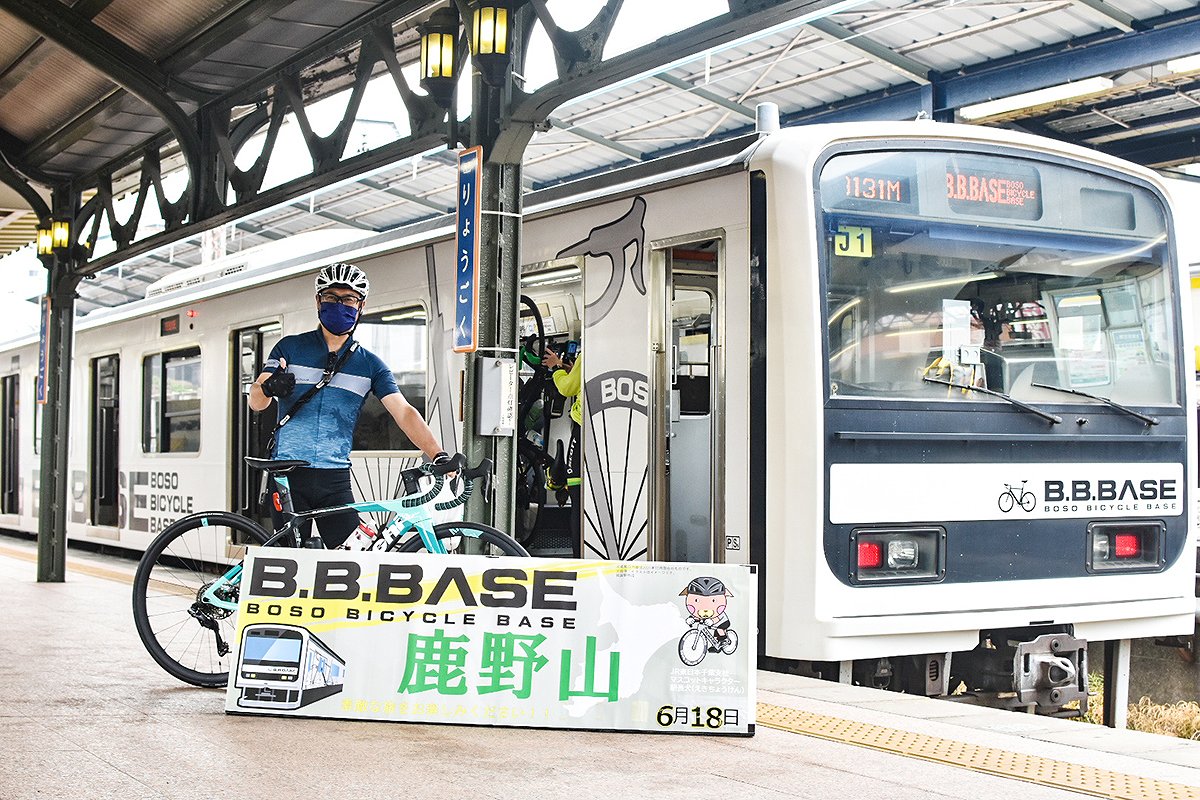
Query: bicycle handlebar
(458,464)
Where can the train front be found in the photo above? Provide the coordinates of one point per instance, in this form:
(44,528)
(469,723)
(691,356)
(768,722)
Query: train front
(1003,419)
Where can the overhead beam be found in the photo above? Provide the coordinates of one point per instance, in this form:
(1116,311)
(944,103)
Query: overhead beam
(596,138)
(1071,61)
(338,218)
(1116,16)
(407,196)
(708,95)
(909,68)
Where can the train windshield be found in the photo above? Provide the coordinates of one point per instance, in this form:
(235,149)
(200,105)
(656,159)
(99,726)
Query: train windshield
(1000,272)
(271,649)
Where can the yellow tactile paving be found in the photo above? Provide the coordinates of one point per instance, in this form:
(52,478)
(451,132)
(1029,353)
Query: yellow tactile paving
(1019,766)
(73,565)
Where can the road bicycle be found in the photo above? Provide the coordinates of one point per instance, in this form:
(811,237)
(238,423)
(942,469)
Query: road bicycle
(700,639)
(1013,496)
(185,590)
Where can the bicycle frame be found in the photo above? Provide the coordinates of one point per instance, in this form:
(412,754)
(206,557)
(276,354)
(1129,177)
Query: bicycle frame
(409,515)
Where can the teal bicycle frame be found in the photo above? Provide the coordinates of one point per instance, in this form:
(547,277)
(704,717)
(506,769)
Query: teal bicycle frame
(411,513)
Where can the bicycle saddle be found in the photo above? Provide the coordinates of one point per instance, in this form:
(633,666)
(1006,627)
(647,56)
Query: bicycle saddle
(274,465)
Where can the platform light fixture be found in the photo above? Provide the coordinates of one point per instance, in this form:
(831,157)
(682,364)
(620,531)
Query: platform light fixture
(491,38)
(1185,64)
(438,35)
(60,233)
(45,241)
(1040,97)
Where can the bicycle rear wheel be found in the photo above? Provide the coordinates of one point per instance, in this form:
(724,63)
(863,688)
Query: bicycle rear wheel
(193,640)
(469,538)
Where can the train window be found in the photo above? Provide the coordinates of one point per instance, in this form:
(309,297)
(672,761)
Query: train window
(914,292)
(397,336)
(171,402)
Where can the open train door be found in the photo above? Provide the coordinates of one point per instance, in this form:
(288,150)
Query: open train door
(251,432)
(688,404)
(105,449)
(10,451)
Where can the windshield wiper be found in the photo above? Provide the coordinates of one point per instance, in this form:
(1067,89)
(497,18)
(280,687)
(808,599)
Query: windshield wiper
(1105,400)
(1053,418)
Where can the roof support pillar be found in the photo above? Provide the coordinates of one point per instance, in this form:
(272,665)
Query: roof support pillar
(62,279)
(499,286)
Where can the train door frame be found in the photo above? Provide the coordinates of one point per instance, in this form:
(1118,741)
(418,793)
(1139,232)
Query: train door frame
(10,444)
(662,286)
(104,442)
(246,426)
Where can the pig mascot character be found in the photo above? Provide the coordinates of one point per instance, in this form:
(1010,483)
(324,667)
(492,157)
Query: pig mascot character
(706,599)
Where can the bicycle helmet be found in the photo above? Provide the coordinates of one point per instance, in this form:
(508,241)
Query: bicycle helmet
(343,275)
(706,587)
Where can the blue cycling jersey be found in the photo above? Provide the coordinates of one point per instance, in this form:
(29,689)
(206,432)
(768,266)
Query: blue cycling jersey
(322,431)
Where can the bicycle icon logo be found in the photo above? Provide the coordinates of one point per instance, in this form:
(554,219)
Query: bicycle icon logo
(1017,496)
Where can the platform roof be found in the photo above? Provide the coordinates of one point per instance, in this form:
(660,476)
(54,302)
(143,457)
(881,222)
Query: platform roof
(882,59)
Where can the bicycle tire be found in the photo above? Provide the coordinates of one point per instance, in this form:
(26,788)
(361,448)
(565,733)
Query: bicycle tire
(177,566)
(466,533)
(1000,501)
(1032,501)
(692,647)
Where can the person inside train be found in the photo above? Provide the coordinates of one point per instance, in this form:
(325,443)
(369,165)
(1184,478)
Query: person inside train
(568,379)
(321,379)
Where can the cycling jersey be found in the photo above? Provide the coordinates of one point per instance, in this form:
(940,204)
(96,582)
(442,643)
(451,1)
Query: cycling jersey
(322,431)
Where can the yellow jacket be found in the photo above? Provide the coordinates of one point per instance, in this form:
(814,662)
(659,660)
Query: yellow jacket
(569,384)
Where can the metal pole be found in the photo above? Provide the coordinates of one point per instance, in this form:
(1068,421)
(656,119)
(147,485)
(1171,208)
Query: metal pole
(52,509)
(1116,683)
(499,268)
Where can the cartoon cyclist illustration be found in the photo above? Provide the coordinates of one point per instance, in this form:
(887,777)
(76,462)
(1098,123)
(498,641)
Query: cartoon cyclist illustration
(710,631)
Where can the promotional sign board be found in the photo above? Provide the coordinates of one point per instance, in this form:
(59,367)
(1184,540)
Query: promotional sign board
(496,641)
(466,287)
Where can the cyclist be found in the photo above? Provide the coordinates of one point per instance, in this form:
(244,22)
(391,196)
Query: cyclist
(318,426)
(569,383)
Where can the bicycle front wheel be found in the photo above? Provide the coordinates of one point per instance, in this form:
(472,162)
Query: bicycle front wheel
(468,538)
(193,640)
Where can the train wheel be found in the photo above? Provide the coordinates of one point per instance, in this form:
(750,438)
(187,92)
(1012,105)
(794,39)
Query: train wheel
(192,639)
(469,538)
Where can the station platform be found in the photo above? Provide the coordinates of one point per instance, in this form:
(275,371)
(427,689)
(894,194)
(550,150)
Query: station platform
(85,713)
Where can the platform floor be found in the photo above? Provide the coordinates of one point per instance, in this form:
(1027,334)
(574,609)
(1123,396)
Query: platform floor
(85,713)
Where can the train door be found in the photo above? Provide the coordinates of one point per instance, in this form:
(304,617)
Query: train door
(104,444)
(251,432)
(687,450)
(10,407)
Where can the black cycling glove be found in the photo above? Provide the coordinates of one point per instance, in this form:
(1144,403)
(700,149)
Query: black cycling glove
(441,458)
(281,384)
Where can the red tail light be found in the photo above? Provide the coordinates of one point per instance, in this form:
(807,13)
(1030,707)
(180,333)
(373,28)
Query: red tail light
(870,555)
(1127,545)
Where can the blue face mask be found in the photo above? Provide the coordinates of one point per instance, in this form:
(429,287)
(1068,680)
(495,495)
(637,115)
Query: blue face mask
(337,318)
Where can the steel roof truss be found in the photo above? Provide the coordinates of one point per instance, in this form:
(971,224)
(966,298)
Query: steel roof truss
(910,68)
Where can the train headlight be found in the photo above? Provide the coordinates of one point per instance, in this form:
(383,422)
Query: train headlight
(898,555)
(1125,546)
(903,554)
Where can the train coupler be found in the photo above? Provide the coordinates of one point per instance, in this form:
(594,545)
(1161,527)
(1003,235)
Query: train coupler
(1042,674)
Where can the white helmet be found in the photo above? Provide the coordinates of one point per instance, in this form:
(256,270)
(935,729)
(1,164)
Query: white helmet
(343,275)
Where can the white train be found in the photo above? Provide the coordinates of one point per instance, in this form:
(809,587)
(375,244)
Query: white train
(286,667)
(764,341)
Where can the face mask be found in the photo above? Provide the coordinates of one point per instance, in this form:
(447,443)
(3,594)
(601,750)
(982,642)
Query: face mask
(337,318)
